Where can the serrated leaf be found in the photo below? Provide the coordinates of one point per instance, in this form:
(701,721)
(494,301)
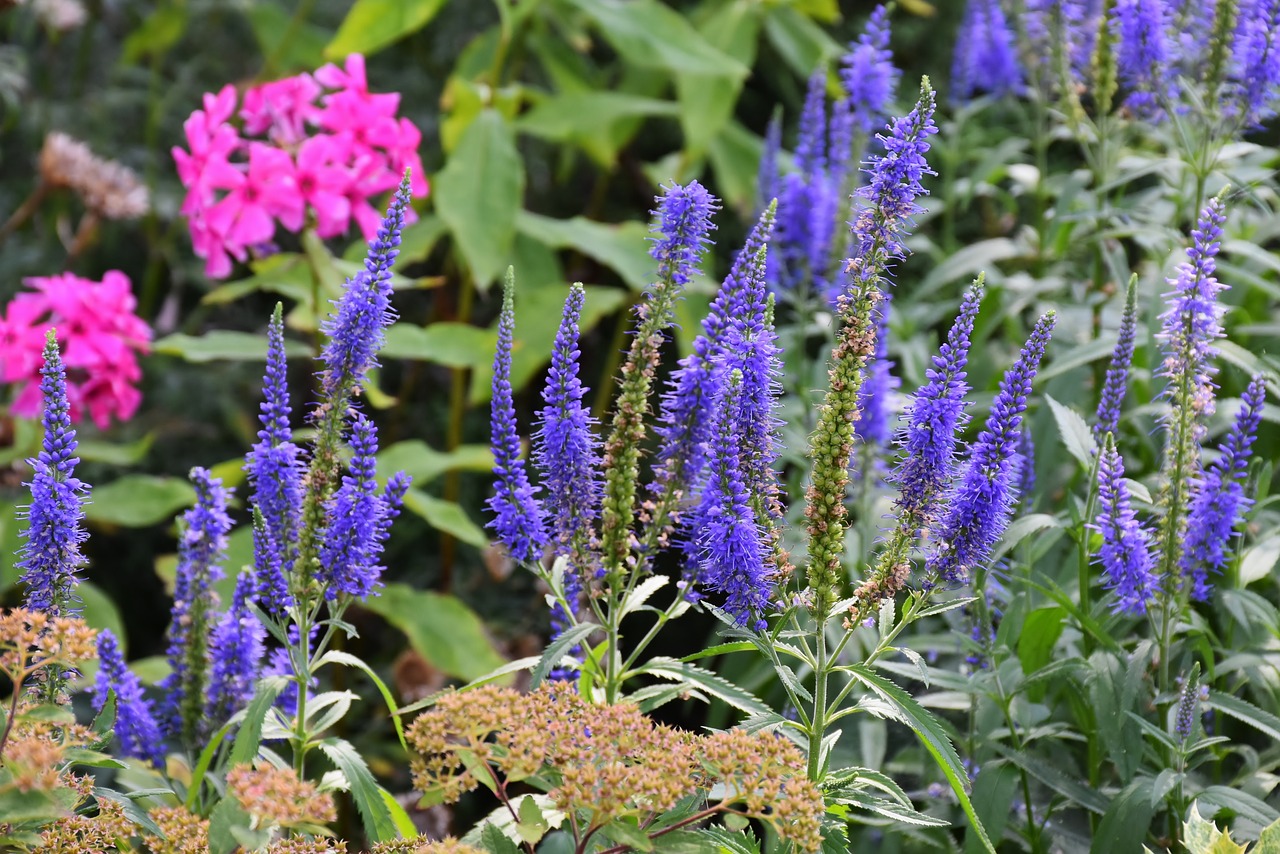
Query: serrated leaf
(558,649)
(641,593)
(245,748)
(722,689)
(1074,432)
(365,790)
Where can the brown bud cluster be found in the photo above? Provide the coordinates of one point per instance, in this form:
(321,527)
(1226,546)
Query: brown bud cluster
(109,830)
(184,833)
(108,188)
(424,845)
(300,845)
(607,762)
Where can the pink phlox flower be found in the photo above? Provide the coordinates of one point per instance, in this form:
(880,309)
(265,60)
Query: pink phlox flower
(112,394)
(210,146)
(350,76)
(369,177)
(369,121)
(402,153)
(221,106)
(22,337)
(323,183)
(267,191)
(282,109)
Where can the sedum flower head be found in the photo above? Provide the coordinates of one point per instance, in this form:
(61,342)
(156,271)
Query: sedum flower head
(1126,554)
(51,555)
(355,329)
(869,76)
(979,506)
(518,521)
(1218,501)
(135,725)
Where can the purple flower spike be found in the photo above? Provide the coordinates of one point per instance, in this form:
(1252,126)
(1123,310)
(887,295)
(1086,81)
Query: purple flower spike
(889,199)
(1142,54)
(566,452)
(135,725)
(979,507)
(1126,554)
(518,522)
(275,471)
(51,555)
(1117,380)
(1218,502)
(355,329)
(767,180)
(1255,61)
(357,521)
(933,422)
(868,73)
(729,542)
(985,59)
(235,655)
(1193,320)
(201,547)
(684,226)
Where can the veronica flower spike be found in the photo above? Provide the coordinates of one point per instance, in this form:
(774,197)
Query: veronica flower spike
(729,543)
(868,73)
(566,451)
(135,724)
(201,546)
(1218,501)
(275,470)
(518,521)
(979,507)
(235,655)
(1126,554)
(51,555)
(1116,382)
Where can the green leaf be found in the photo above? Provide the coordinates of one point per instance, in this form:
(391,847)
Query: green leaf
(707,101)
(1243,710)
(1075,433)
(558,649)
(1239,803)
(371,25)
(992,793)
(1039,635)
(628,834)
(404,824)
(304,48)
(202,765)
(365,790)
(339,657)
(138,500)
(803,44)
(1259,559)
(621,247)
(424,464)
(100,612)
(135,813)
(730,842)
(1073,790)
(160,31)
(440,628)
(495,841)
(652,35)
(418,238)
(457,345)
(1126,821)
(226,818)
(933,738)
(705,680)
(735,156)
(223,344)
(1269,841)
(447,516)
(245,748)
(113,453)
(574,116)
(478,193)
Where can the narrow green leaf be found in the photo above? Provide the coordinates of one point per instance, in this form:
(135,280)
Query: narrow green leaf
(723,689)
(1075,433)
(558,649)
(371,25)
(245,748)
(365,791)
(340,657)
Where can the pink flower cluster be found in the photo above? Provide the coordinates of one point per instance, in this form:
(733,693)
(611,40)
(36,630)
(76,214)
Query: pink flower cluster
(324,143)
(99,335)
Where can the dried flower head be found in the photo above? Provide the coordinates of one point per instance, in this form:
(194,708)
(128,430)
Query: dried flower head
(276,796)
(184,833)
(108,188)
(302,845)
(425,845)
(109,830)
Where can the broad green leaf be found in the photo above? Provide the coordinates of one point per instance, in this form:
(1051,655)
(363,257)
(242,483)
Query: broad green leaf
(650,34)
(1242,710)
(1125,823)
(802,44)
(424,464)
(224,344)
(577,116)
(371,25)
(419,238)
(458,345)
(440,628)
(626,833)
(622,248)
(1075,433)
(115,454)
(735,156)
(138,500)
(478,193)
(447,516)
(707,101)
(100,612)
(1259,559)
(305,46)
(932,736)
(158,32)
(365,791)
(1237,803)
(1039,634)
(993,791)
(226,818)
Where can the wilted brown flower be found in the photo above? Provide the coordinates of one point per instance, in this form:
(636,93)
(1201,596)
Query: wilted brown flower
(108,188)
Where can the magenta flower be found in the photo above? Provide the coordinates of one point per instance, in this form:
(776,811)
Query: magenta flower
(282,109)
(323,183)
(267,191)
(98,333)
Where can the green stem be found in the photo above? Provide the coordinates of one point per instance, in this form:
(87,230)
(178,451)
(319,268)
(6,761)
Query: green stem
(818,720)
